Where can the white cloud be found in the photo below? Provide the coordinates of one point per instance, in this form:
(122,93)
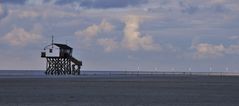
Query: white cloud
(205,50)
(21,37)
(28,14)
(40,2)
(106,26)
(133,39)
(233,49)
(89,32)
(93,30)
(233,37)
(108,44)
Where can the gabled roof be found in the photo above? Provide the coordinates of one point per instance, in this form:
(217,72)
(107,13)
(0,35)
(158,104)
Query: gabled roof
(62,46)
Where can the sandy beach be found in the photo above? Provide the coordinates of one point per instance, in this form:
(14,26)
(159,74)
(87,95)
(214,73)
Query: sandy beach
(120,91)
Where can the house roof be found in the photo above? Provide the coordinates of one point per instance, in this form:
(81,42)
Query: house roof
(62,46)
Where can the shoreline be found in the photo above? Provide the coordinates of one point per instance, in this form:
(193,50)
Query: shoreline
(41,74)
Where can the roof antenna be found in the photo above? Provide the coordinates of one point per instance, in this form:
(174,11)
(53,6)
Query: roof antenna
(52,40)
(52,43)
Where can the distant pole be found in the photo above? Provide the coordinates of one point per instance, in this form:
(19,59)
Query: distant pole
(210,69)
(190,71)
(173,69)
(227,69)
(156,69)
(138,69)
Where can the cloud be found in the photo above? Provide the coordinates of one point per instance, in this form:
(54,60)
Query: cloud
(34,2)
(29,2)
(40,2)
(1,9)
(92,31)
(233,37)
(37,12)
(192,7)
(98,4)
(233,49)
(3,12)
(28,14)
(89,32)
(194,11)
(103,4)
(205,50)
(21,37)
(108,44)
(133,39)
(13,1)
(106,26)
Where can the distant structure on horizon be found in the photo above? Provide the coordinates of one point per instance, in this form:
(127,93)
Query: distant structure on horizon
(59,60)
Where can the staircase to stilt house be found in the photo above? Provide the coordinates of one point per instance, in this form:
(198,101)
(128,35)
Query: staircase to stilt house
(76,66)
(75,61)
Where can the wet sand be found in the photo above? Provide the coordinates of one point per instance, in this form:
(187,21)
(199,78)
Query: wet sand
(121,91)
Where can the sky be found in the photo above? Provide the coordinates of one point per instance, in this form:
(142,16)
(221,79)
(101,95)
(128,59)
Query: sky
(159,35)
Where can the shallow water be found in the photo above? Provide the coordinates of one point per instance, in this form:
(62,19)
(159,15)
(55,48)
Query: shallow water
(133,90)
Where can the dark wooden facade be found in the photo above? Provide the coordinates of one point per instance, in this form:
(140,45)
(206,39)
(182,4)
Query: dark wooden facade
(64,64)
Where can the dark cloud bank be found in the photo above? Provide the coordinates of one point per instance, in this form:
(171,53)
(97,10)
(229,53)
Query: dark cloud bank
(101,4)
